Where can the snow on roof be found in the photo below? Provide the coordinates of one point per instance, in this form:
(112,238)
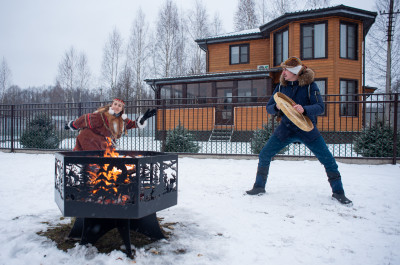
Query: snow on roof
(235,33)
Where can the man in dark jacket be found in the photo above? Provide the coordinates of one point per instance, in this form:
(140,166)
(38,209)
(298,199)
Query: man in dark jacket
(297,82)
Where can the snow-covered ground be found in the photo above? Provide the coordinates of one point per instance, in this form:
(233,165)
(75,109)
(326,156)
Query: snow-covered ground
(295,222)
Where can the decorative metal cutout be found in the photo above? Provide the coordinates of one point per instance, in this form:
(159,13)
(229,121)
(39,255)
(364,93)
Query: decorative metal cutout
(92,186)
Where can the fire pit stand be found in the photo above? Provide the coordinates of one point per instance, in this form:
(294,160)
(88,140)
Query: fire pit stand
(115,192)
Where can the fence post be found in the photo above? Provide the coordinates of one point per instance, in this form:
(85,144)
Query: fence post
(164,133)
(395,117)
(12,128)
(79,109)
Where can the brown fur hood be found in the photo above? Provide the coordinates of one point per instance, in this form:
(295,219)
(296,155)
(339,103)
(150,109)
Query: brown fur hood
(306,77)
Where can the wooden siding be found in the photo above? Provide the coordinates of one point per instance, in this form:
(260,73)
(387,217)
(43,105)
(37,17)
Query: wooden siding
(253,118)
(250,118)
(194,119)
(333,69)
(218,56)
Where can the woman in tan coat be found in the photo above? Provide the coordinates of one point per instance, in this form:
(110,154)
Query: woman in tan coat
(108,121)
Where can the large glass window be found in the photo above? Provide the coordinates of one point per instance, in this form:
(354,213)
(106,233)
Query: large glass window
(261,86)
(313,41)
(321,83)
(165,92)
(245,91)
(348,97)
(281,46)
(199,92)
(348,41)
(205,92)
(239,54)
(174,93)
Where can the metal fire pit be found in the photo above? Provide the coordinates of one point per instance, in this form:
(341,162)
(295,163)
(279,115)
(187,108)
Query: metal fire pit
(123,192)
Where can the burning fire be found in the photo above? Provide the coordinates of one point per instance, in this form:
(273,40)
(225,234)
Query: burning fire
(105,180)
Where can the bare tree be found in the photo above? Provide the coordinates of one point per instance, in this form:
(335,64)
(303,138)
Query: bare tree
(84,73)
(138,54)
(312,4)
(376,52)
(181,59)
(5,79)
(73,74)
(198,27)
(112,53)
(271,9)
(245,15)
(216,25)
(167,37)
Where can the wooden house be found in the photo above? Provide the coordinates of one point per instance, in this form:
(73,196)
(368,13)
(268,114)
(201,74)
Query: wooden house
(331,41)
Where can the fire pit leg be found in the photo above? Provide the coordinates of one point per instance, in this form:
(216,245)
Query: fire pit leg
(76,231)
(94,228)
(148,226)
(89,230)
(124,232)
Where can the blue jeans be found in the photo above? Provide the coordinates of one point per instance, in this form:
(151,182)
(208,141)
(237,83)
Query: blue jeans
(318,147)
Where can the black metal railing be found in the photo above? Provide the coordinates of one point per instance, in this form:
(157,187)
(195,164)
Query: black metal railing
(218,126)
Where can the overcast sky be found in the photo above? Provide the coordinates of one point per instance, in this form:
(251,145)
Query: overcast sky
(35,34)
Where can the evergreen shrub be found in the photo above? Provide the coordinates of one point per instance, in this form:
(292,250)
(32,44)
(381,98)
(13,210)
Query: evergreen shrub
(180,140)
(261,136)
(377,141)
(40,133)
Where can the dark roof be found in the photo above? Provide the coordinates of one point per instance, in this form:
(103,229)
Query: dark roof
(211,77)
(367,17)
(250,34)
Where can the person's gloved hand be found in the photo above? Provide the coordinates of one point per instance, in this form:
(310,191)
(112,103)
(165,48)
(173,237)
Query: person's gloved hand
(70,126)
(148,114)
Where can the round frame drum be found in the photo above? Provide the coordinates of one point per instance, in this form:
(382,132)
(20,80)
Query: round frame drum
(286,104)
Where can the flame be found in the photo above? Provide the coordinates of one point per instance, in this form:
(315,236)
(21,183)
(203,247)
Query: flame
(103,179)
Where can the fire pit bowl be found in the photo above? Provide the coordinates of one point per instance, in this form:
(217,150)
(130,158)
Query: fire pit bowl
(124,191)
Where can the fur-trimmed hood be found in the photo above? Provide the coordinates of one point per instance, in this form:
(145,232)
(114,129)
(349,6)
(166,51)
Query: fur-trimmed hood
(306,77)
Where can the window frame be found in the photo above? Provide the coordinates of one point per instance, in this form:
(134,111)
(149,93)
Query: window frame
(356,110)
(280,32)
(240,53)
(347,24)
(313,38)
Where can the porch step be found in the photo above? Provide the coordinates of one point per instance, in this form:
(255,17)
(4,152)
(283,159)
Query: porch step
(221,135)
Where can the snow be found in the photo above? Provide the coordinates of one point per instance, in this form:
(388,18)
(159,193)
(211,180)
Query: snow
(235,33)
(295,222)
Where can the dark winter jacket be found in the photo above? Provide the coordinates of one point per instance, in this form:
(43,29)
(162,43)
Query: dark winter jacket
(304,92)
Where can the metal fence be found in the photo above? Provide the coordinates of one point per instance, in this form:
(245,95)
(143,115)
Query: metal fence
(218,126)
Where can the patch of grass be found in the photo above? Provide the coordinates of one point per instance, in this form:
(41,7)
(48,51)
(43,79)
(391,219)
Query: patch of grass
(106,244)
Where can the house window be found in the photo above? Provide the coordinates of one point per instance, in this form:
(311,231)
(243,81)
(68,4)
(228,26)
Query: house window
(313,41)
(165,92)
(199,93)
(173,93)
(239,54)
(281,46)
(348,96)
(348,41)
(321,83)
(245,91)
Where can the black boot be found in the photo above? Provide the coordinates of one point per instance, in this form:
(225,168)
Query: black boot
(342,199)
(256,190)
(261,180)
(335,180)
